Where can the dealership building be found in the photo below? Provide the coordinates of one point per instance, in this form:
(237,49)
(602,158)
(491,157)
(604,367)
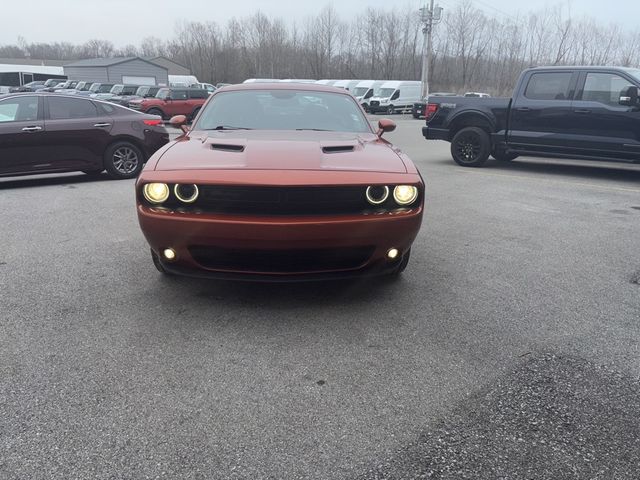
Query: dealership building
(134,70)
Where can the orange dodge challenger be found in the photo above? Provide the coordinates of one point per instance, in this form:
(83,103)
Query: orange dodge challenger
(280,182)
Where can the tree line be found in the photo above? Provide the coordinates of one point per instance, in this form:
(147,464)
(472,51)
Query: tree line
(473,48)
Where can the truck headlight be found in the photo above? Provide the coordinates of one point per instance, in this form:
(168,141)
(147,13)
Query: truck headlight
(405,194)
(156,192)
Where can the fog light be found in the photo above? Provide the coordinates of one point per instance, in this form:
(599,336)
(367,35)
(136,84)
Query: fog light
(393,253)
(169,254)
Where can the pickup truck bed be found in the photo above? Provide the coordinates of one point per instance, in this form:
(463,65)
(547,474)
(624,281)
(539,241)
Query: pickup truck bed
(572,112)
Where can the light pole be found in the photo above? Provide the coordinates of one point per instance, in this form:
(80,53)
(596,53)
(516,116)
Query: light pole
(429,17)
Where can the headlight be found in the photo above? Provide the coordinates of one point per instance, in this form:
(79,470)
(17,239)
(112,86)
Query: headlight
(156,192)
(377,194)
(405,194)
(186,193)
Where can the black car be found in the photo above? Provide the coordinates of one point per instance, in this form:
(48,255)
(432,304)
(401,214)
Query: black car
(49,133)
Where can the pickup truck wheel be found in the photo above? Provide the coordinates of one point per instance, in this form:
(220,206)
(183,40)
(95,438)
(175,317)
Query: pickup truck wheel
(504,157)
(470,147)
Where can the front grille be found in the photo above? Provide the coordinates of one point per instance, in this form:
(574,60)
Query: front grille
(135,106)
(282,261)
(374,103)
(249,200)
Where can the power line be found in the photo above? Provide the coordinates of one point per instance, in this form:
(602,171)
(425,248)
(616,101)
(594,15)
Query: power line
(483,3)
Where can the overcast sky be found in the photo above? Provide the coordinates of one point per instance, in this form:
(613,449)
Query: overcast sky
(129,21)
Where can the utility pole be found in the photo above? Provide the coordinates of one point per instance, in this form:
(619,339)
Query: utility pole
(429,17)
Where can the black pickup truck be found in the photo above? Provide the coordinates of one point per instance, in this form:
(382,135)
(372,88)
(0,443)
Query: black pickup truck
(571,112)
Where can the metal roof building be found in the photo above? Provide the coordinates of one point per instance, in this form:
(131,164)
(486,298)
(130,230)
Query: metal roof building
(133,70)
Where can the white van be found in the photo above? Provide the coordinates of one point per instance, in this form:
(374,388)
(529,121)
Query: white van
(363,91)
(346,84)
(326,82)
(261,80)
(395,96)
(298,80)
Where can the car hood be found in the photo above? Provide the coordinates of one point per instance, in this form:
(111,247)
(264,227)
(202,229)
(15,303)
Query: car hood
(282,150)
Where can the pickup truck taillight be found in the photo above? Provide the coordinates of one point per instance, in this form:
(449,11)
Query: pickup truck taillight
(430,110)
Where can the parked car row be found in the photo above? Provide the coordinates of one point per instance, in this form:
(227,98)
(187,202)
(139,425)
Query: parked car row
(384,96)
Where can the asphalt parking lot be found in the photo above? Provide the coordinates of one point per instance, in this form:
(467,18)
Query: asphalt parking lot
(508,349)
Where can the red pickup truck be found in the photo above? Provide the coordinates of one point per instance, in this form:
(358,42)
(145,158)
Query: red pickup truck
(172,101)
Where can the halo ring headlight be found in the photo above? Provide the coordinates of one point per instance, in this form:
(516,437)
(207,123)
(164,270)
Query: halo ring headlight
(156,192)
(405,194)
(186,197)
(375,197)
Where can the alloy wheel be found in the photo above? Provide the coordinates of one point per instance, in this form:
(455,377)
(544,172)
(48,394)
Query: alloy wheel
(125,160)
(469,147)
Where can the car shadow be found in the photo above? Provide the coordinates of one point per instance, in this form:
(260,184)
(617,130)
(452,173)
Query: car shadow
(623,172)
(626,172)
(53,179)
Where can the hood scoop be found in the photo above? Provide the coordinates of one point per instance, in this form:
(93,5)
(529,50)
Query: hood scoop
(226,147)
(337,149)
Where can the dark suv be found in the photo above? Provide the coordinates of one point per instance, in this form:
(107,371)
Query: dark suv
(172,101)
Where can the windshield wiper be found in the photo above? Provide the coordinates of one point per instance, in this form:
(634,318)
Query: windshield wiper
(228,127)
(315,129)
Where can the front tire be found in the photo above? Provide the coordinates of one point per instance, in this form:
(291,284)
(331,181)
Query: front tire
(402,266)
(365,106)
(157,264)
(470,147)
(123,160)
(391,110)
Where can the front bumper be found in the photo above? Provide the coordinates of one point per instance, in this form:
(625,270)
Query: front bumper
(435,133)
(276,237)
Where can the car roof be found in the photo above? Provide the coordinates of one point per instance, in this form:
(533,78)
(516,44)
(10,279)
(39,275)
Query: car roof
(307,87)
(580,67)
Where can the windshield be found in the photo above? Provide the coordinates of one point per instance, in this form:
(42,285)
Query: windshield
(385,92)
(105,88)
(360,91)
(635,73)
(51,82)
(283,110)
(94,87)
(142,91)
(116,89)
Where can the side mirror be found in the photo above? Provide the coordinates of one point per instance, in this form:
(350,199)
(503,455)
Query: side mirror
(179,121)
(629,98)
(168,99)
(385,125)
